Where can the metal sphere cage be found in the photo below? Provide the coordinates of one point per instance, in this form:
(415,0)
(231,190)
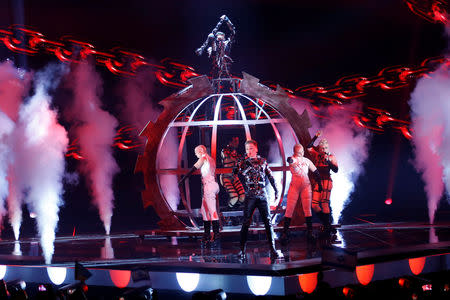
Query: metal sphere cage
(212,121)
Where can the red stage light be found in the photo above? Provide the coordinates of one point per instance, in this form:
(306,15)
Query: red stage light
(365,273)
(388,201)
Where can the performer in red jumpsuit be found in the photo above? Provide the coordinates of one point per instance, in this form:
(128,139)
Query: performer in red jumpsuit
(300,186)
(325,163)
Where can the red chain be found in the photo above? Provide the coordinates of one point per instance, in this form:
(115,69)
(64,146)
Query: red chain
(173,74)
(436,11)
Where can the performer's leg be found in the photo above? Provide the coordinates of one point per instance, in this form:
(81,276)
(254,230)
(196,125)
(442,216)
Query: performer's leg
(327,186)
(239,189)
(216,231)
(292,198)
(316,198)
(249,207)
(206,234)
(306,195)
(264,211)
(232,193)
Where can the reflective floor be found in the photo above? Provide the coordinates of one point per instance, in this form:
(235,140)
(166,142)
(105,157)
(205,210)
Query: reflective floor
(156,248)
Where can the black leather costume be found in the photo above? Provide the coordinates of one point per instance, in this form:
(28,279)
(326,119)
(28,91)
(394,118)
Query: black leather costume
(256,171)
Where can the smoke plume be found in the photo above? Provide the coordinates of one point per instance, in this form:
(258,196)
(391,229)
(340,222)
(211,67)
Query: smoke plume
(13,86)
(137,93)
(95,130)
(347,141)
(167,159)
(40,143)
(430,115)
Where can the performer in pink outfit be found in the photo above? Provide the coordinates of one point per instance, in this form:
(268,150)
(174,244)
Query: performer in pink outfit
(300,186)
(210,189)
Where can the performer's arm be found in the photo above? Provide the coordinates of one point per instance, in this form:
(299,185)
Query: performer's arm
(318,179)
(332,162)
(313,140)
(210,37)
(192,170)
(231,27)
(290,160)
(311,166)
(272,181)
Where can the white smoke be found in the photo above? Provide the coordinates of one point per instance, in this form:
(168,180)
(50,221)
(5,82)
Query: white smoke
(95,130)
(167,159)
(13,87)
(430,115)
(6,128)
(347,141)
(39,161)
(137,92)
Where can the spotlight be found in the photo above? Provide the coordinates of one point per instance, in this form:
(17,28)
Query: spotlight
(218,294)
(45,292)
(16,289)
(388,201)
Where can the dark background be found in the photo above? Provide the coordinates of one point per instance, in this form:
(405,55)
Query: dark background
(293,43)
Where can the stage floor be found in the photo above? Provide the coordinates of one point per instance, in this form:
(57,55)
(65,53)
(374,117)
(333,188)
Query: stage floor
(155,257)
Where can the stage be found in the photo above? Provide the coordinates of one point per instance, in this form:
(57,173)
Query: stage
(174,261)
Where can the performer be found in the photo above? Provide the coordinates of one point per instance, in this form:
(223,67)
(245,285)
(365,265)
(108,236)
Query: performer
(255,171)
(325,163)
(300,186)
(231,181)
(219,48)
(210,189)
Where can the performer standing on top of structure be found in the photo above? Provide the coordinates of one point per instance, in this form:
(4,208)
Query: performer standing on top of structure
(325,163)
(255,170)
(231,181)
(219,48)
(300,186)
(210,189)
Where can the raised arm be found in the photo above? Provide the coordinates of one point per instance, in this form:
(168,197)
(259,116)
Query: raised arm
(313,140)
(210,37)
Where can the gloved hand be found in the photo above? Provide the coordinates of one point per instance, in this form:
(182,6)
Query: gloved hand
(290,160)
(199,51)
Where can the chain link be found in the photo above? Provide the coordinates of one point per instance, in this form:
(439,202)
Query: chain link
(173,74)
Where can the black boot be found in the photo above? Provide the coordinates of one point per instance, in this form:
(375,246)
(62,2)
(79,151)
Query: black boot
(285,234)
(206,234)
(309,229)
(325,218)
(271,240)
(244,236)
(216,229)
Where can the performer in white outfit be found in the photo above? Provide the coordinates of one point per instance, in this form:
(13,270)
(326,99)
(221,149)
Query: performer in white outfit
(210,189)
(300,186)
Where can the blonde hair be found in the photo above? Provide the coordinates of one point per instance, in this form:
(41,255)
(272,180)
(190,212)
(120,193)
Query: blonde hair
(323,142)
(200,148)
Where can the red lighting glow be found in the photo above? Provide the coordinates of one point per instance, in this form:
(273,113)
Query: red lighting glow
(417,264)
(365,273)
(120,278)
(308,282)
(388,201)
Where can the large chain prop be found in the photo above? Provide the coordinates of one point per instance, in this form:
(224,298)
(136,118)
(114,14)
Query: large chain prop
(173,74)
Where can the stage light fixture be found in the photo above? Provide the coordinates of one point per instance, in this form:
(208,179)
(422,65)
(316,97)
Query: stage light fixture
(218,294)
(74,291)
(140,293)
(16,289)
(388,201)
